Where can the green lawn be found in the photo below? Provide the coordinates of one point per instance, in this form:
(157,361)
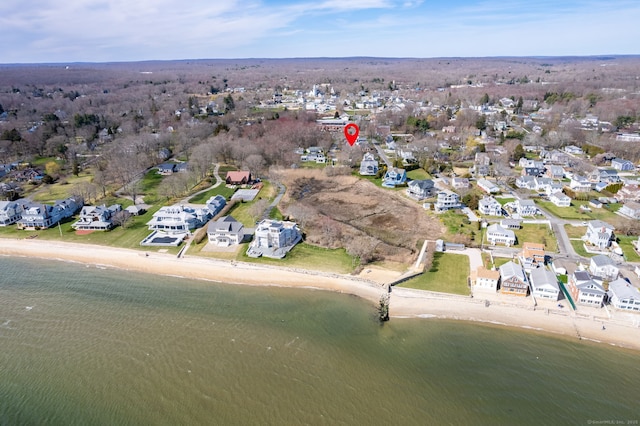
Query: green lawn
(504,200)
(575,231)
(149,185)
(628,250)
(573,212)
(448,274)
(458,223)
(537,233)
(307,256)
(578,246)
(418,174)
(220,190)
(59,190)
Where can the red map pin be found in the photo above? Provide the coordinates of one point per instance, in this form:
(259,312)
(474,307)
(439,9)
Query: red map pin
(351,132)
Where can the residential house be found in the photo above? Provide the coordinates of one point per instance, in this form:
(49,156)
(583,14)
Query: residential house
(447,200)
(629,192)
(10,212)
(573,150)
(420,189)
(496,234)
(225,231)
(585,289)
(599,234)
(532,255)
(526,182)
(485,279)
(623,295)
(607,176)
(215,204)
(176,219)
(136,210)
(242,177)
(513,280)
(274,238)
(630,209)
(482,158)
(526,208)
(542,183)
(166,169)
(42,216)
(554,172)
(368,165)
(96,218)
(489,206)
(394,176)
(602,266)
(511,223)
(622,165)
(527,163)
(460,183)
(488,186)
(555,157)
(560,199)
(580,183)
(544,284)
(531,171)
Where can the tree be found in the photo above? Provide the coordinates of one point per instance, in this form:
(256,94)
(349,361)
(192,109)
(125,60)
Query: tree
(52,168)
(484,99)
(121,218)
(518,152)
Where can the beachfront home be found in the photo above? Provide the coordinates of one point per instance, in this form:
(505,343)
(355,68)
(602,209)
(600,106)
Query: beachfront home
(447,200)
(602,266)
(420,189)
(10,212)
(544,284)
(274,238)
(225,231)
(496,234)
(394,176)
(368,165)
(485,279)
(41,216)
(623,295)
(531,256)
(513,280)
(96,218)
(560,199)
(489,206)
(176,219)
(585,289)
(599,234)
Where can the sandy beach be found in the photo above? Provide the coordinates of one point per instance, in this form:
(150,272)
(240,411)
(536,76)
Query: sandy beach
(405,303)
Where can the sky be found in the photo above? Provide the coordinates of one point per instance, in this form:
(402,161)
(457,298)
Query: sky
(59,31)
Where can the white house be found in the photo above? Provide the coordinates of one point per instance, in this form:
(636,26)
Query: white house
(42,216)
(485,279)
(274,238)
(489,206)
(630,209)
(175,219)
(368,165)
(580,183)
(496,234)
(585,289)
(526,208)
(225,231)
(458,182)
(96,218)
(526,182)
(599,234)
(488,186)
(544,284)
(623,295)
(420,189)
(560,199)
(602,266)
(447,200)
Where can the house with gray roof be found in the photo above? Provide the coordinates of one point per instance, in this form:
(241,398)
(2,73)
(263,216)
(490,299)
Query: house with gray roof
(225,231)
(586,289)
(274,238)
(622,165)
(623,295)
(96,218)
(544,284)
(526,208)
(420,189)
(489,206)
(10,212)
(630,209)
(513,280)
(368,165)
(599,234)
(496,234)
(602,266)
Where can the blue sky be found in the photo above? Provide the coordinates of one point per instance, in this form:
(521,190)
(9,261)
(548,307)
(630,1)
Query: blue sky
(38,31)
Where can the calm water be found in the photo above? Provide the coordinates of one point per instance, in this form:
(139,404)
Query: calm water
(85,346)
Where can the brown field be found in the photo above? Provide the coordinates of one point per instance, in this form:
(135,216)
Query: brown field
(347,211)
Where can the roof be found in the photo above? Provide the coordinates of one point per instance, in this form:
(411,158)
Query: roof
(602,260)
(483,272)
(238,176)
(543,277)
(225,224)
(600,224)
(511,269)
(623,290)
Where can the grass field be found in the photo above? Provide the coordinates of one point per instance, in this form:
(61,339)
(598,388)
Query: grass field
(578,246)
(628,250)
(448,274)
(149,186)
(220,190)
(573,212)
(575,231)
(418,174)
(307,256)
(59,190)
(536,233)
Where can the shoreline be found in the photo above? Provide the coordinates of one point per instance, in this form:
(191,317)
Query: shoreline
(404,303)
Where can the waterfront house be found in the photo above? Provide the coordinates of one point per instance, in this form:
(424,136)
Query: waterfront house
(274,238)
(176,219)
(420,189)
(394,176)
(602,266)
(544,284)
(447,200)
(96,218)
(225,231)
(532,255)
(560,199)
(10,212)
(585,289)
(513,280)
(496,234)
(368,165)
(599,234)
(41,216)
(485,279)
(623,295)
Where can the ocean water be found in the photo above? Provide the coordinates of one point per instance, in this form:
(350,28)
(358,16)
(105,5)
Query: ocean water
(87,346)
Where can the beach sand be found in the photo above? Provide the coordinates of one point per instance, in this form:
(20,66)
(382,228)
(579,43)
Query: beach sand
(404,303)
